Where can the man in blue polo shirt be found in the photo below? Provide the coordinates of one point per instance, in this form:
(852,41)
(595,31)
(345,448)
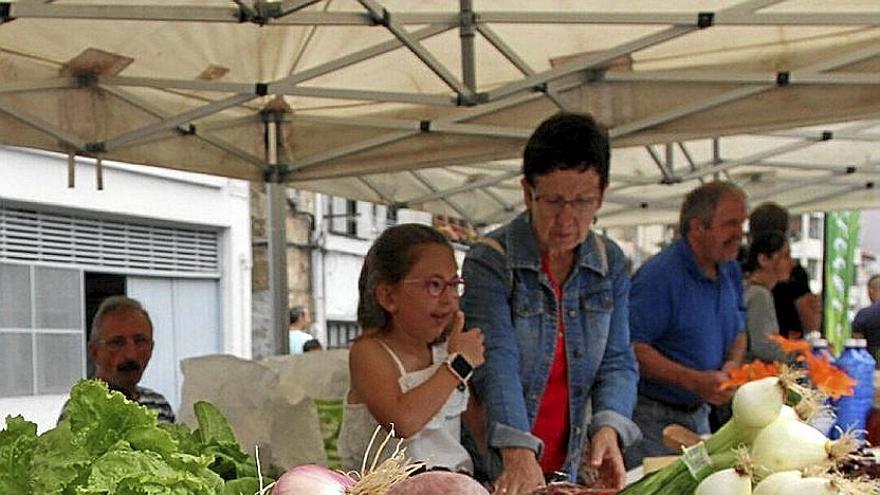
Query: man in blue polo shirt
(686,318)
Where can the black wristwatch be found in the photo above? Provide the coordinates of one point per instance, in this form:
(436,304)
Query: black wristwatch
(461,368)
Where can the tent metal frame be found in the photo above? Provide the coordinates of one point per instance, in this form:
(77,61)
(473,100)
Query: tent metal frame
(410,31)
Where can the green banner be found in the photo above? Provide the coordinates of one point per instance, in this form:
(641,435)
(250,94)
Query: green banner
(841,238)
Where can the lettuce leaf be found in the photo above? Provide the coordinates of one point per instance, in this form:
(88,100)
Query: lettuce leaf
(17,444)
(128,472)
(109,445)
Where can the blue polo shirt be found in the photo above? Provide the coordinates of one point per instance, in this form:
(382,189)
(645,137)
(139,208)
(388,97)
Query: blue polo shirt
(686,316)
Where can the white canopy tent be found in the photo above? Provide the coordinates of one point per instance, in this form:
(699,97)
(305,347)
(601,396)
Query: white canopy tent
(427,103)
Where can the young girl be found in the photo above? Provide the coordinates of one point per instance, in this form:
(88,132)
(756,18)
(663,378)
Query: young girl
(400,375)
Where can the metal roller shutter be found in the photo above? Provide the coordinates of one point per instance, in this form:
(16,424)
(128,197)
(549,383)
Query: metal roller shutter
(30,235)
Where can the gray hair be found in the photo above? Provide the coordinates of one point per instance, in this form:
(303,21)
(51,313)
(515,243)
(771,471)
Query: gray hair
(702,201)
(387,262)
(115,304)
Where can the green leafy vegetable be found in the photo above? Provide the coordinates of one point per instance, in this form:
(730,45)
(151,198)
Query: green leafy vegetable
(109,445)
(17,443)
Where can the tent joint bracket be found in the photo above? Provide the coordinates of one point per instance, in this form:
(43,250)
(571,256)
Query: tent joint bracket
(96,147)
(705,19)
(187,130)
(277,174)
(425,126)
(380,20)
(86,80)
(783,78)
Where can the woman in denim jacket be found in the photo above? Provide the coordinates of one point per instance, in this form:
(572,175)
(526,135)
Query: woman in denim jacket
(552,299)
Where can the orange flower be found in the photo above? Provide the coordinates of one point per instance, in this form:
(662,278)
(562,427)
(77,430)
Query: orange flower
(755,370)
(790,346)
(827,377)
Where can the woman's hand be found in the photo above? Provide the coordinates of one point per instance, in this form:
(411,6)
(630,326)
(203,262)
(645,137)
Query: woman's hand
(521,474)
(606,460)
(469,344)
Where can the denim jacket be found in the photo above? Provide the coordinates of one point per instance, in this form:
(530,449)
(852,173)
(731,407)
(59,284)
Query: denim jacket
(510,299)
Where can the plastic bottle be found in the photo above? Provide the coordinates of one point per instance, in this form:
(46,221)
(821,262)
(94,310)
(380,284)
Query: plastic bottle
(852,411)
(820,348)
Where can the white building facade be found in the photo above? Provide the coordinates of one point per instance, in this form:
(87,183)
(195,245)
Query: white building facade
(178,242)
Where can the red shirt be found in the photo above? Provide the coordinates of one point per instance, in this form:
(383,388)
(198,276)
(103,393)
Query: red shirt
(551,424)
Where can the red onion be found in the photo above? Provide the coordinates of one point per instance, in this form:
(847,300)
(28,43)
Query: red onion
(438,483)
(312,479)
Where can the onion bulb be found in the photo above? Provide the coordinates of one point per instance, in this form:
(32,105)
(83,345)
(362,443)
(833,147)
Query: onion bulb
(788,444)
(757,403)
(438,483)
(312,479)
(809,486)
(725,482)
(771,484)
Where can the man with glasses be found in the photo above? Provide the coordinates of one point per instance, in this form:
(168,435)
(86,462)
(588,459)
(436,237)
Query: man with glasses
(121,345)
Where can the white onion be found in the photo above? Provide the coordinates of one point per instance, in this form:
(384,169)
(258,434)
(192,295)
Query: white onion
(725,482)
(312,479)
(788,412)
(788,444)
(771,484)
(809,486)
(757,403)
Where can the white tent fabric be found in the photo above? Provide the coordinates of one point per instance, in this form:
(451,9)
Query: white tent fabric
(427,103)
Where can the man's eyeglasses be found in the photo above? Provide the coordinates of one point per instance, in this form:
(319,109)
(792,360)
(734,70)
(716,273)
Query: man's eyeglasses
(555,204)
(117,343)
(436,286)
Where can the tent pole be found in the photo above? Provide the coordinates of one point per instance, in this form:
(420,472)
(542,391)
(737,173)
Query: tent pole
(466,33)
(276,188)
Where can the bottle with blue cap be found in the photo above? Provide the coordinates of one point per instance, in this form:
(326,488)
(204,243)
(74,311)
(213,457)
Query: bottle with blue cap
(852,411)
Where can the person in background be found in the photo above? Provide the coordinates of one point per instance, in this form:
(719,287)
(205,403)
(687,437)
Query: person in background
(867,320)
(312,345)
(687,318)
(121,345)
(297,329)
(798,311)
(768,263)
(411,367)
(551,295)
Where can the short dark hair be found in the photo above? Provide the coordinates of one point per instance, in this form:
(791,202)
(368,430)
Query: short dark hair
(874,281)
(765,243)
(387,262)
(296,312)
(768,217)
(116,304)
(567,141)
(312,345)
(702,201)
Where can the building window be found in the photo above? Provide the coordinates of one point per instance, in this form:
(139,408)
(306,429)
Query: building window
(41,336)
(813,269)
(815,227)
(795,230)
(340,334)
(391,215)
(343,216)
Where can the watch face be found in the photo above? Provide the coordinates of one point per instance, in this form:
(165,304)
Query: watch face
(462,367)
